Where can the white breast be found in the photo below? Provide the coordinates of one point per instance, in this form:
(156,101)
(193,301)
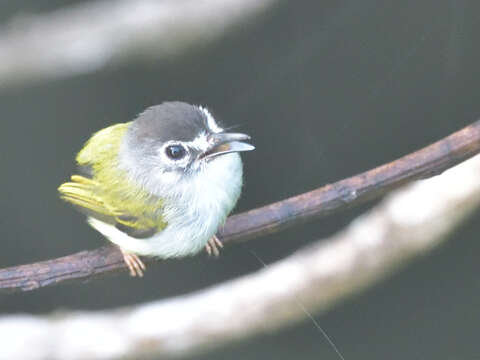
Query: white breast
(194,210)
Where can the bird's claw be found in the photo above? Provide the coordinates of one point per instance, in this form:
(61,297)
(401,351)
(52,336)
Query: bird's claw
(134,264)
(213,246)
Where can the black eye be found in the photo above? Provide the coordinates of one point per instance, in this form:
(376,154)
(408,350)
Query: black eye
(175,152)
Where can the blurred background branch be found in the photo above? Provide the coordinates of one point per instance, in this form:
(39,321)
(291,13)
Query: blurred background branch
(88,37)
(406,224)
(431,160)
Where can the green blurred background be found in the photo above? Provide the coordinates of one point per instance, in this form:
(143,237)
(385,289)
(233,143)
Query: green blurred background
(327,89)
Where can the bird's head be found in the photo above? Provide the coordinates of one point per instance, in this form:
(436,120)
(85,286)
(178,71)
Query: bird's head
(171,142)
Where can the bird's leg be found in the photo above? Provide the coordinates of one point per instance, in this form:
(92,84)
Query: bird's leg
(134,264)
(213,246)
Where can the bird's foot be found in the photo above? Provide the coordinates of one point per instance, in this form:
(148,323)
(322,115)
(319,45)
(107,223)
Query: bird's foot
(213,246)
(134,264)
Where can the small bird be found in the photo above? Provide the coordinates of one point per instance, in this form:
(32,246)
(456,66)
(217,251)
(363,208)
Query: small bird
(160,185)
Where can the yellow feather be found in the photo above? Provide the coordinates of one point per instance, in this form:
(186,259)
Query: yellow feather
(109,192)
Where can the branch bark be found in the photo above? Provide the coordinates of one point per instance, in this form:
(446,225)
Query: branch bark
(406,224)
(107,260)
(88,37)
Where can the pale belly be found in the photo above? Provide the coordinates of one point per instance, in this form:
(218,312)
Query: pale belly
(193,217)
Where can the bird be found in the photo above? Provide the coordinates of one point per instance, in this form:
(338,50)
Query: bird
(160,185)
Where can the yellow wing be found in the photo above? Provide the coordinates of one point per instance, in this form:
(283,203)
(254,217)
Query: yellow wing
(106,194)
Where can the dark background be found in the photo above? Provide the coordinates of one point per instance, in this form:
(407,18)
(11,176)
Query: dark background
(327,89)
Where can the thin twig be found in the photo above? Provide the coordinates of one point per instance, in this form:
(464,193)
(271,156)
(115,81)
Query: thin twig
(431,160)
(406,224)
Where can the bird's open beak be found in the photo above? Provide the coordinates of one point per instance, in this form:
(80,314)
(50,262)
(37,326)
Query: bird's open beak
(225,143)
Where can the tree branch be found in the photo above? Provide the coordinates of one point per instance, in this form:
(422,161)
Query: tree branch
(406,224)
(431,160)
(88,37)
